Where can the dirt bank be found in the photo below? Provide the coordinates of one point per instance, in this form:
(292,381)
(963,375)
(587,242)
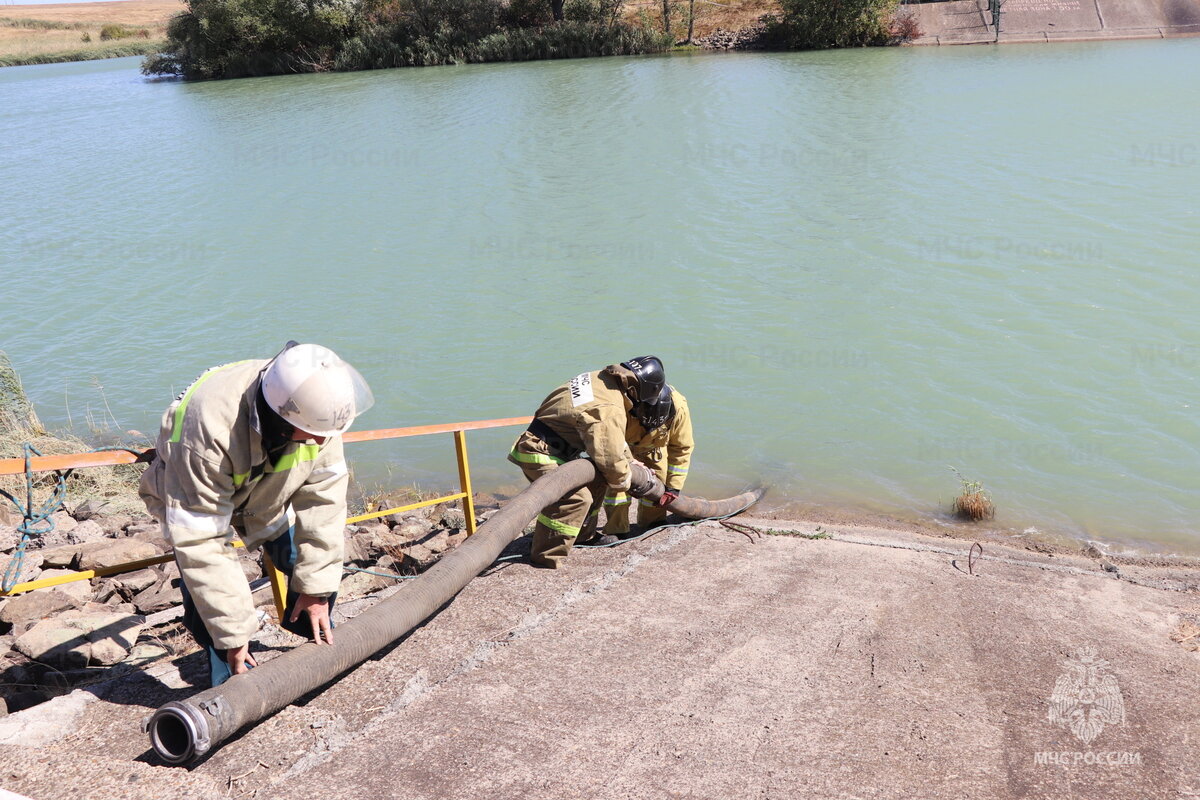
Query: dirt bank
(704,662)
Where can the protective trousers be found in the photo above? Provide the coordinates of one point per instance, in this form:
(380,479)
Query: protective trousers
(282,551)
(616,506)
(565,521)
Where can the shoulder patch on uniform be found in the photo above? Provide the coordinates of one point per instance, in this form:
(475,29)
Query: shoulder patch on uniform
(581,389)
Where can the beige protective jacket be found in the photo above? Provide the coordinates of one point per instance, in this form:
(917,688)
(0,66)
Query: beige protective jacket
(212,479)
(590,413)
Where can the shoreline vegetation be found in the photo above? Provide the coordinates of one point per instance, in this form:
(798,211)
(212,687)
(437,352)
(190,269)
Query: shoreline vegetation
(215,39)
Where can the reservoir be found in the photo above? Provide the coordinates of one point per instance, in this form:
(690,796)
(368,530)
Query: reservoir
(861,267)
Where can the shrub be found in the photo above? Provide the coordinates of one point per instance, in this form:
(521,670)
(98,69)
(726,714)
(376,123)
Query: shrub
(232,38)
(236,38)
(905,27)
(569,40)
(87,37)
(821,24)
(526,14)
(111,32)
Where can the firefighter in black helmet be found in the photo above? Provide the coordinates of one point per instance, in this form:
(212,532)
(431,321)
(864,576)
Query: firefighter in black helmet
(589,413)
(659,436)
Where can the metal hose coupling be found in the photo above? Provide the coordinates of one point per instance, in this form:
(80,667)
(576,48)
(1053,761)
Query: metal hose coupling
(644,484)
(179,732)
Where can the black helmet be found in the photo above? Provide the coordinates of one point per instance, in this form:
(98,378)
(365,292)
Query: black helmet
(651,378)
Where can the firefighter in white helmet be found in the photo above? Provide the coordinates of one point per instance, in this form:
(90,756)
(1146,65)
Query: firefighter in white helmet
(253,450)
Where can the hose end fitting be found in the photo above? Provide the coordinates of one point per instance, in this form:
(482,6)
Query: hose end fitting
(179,733)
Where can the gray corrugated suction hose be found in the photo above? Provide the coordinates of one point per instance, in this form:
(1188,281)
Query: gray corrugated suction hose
(182,731)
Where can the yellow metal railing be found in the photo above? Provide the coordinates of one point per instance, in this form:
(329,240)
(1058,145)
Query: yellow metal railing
(16,466)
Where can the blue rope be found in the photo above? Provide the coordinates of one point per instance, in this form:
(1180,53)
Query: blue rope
(37,522)
(34,522)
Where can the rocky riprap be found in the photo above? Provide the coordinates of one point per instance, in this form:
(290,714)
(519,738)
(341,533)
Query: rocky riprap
(76,633)
(752,37)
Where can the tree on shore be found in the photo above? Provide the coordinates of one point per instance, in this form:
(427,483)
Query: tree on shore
(822,24)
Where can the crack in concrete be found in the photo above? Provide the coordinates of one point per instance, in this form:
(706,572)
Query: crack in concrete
(419,685)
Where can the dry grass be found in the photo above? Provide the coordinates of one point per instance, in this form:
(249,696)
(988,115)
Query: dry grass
(22,37)
(19,424)
(973,503)
(1188,635)
(731,16)
(974,506)
(136,13)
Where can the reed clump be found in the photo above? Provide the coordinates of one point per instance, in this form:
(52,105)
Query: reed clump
(973,502)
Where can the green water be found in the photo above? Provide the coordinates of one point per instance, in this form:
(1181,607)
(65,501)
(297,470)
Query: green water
(859,266)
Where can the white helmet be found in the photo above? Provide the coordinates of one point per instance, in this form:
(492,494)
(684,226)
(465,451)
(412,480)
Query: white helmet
(314,390)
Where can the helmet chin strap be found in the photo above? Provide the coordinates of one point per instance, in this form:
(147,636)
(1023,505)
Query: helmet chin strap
(276,431)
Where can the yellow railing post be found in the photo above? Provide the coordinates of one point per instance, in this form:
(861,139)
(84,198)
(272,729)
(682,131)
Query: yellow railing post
(464,480)
(278,585)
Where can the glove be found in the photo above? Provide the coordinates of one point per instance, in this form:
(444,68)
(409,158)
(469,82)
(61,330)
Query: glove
(643,481)
(668,497)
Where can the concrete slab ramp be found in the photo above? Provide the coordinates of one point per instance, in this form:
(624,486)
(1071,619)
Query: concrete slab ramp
(698,663)
(969,21)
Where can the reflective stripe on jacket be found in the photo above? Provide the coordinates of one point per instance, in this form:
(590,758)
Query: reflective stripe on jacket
(212,479)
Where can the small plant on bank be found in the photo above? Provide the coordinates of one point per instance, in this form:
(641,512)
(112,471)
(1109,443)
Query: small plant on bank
(87,37)
(973,503)
(905,27)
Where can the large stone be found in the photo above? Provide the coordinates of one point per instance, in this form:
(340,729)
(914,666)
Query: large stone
(107,590)
(419,557)
(159,597)
(88,531)
(138,528)
(358,584)
(9,538)
(59,557)
(79,638)
(89,509)
(64,523)
(35,605)
(114,552)
(114,524)
(250,567)
(453,518)
(133,582)
(412,530)
(153,536)
(31,566)
(358,549)
(445,540)
(81,591)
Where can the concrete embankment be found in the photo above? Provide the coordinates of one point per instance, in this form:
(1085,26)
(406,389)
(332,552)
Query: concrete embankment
(702,662)
(970,21)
